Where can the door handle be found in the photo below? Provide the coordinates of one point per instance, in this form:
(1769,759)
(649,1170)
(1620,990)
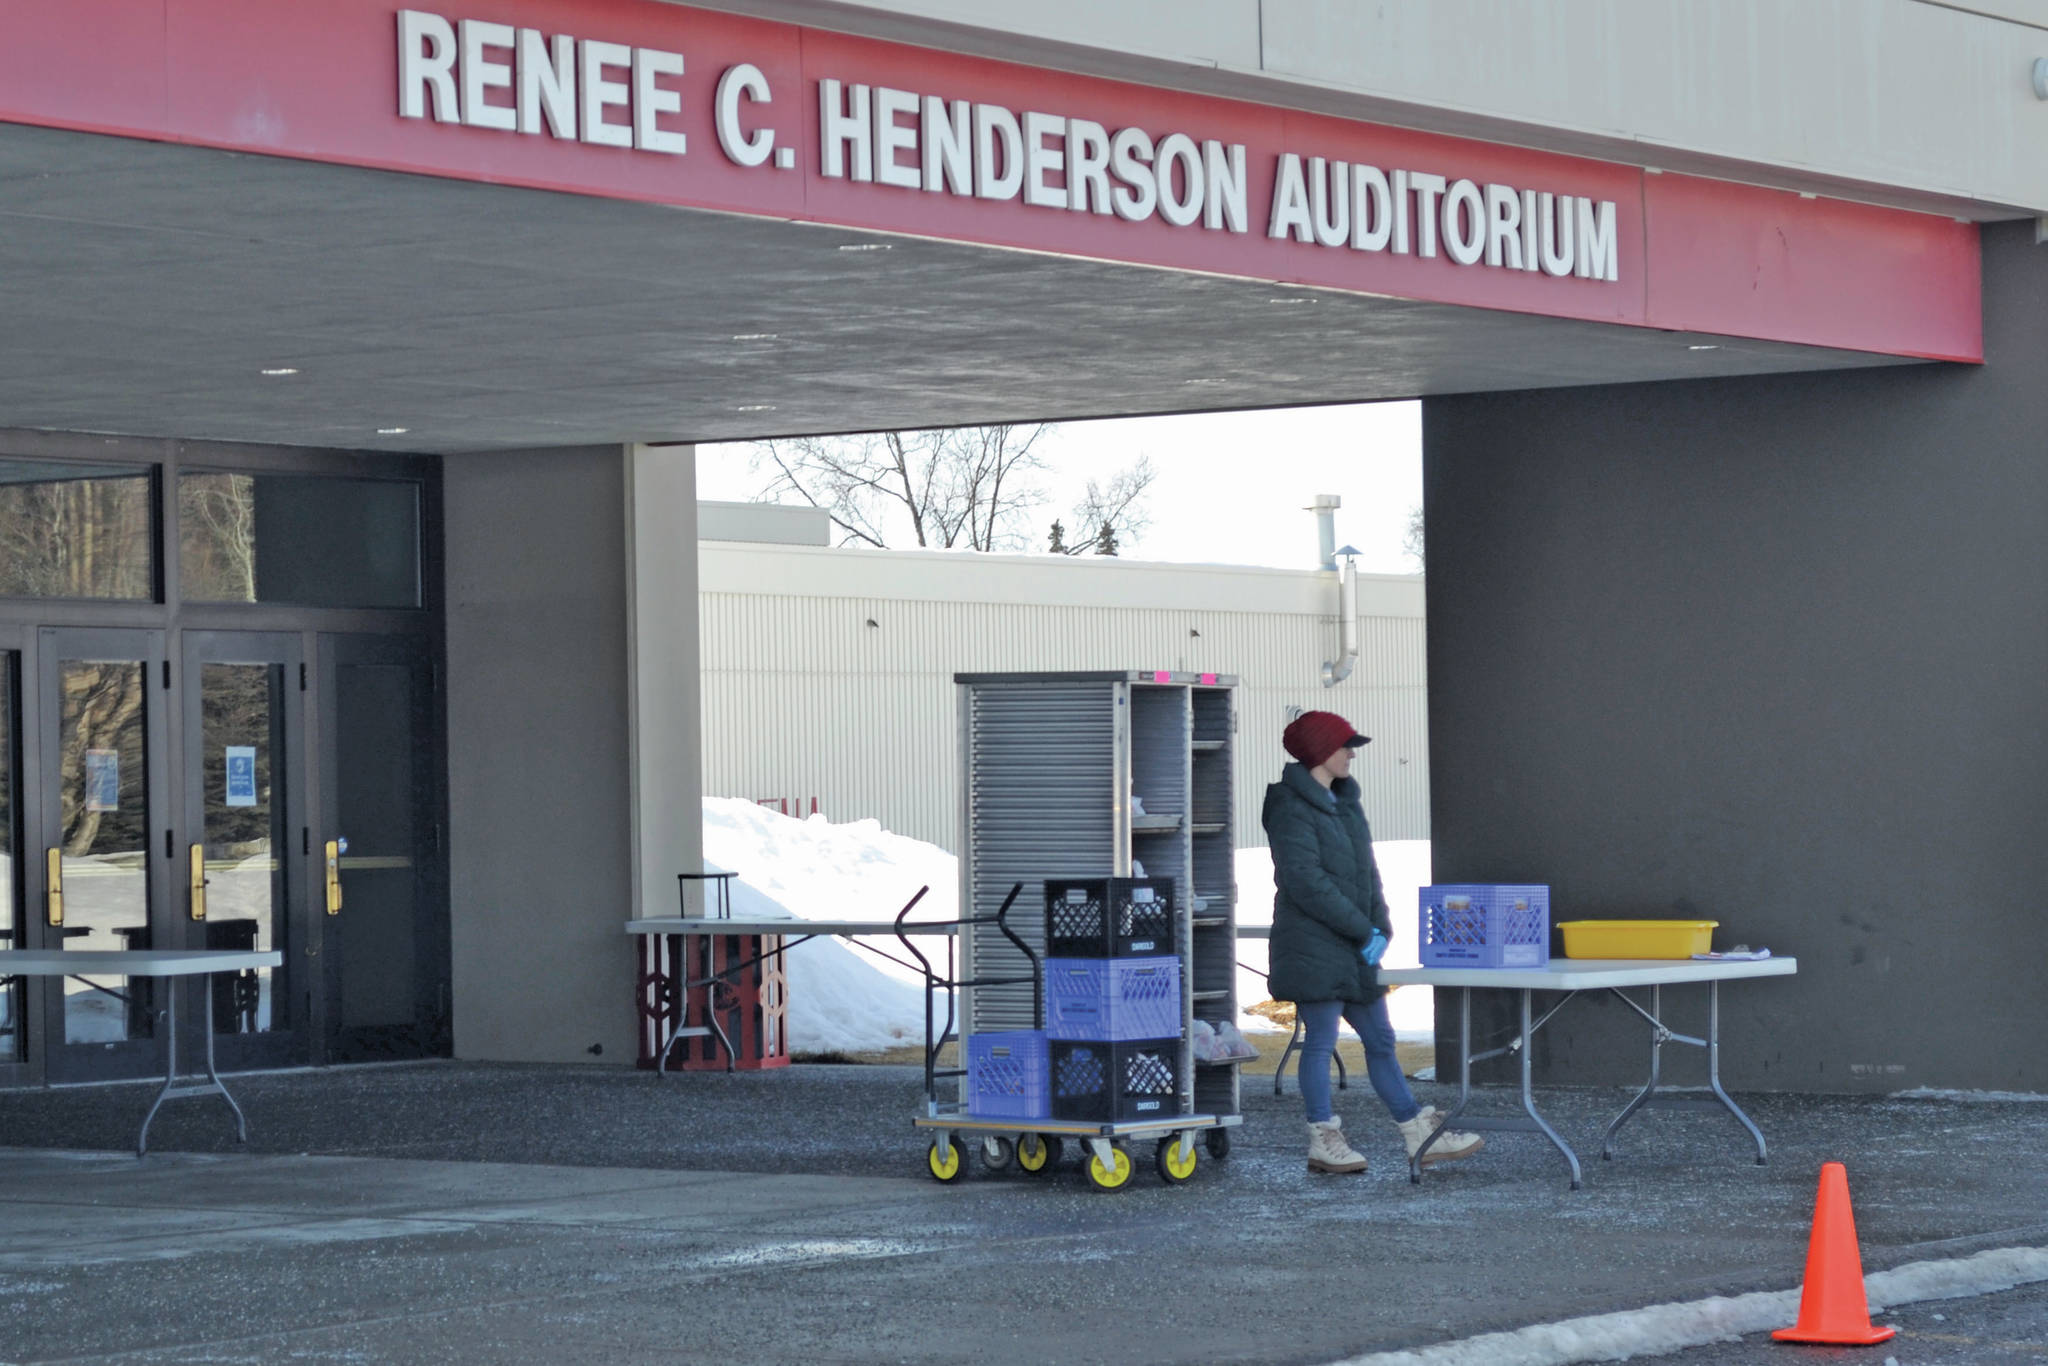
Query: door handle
(54,862)
(198,869)
(333,852)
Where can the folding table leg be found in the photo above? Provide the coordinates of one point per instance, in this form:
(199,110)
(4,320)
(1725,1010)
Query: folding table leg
(1657,1036)
(170,1066)
(241,1123)
(1529,1121)
(1529,1100)
(1661,1034)
(1714,1069)
(171,1090)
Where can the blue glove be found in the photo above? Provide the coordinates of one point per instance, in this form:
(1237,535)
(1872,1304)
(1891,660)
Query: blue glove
(1373,952)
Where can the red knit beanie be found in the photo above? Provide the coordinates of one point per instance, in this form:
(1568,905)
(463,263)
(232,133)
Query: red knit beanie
(1314,736)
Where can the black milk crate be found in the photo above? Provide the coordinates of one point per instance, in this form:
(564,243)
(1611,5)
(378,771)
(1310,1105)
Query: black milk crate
(1108,917)
(1104,1082)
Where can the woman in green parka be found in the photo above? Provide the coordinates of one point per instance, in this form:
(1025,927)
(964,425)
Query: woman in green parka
(1330,926)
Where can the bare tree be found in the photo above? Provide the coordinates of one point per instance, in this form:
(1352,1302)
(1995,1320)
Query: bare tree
(217,541)
(1109,513)
(970,487)
(1411,541)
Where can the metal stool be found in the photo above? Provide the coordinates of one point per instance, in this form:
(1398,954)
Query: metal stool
(1293,1043)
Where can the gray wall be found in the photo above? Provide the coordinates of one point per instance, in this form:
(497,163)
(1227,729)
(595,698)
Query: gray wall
(666,699)
(1771,652)
(539,754)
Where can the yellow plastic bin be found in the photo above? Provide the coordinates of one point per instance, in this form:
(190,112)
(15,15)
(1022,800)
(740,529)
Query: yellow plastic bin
(1637,938)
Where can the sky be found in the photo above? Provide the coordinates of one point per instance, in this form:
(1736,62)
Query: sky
(1231,488)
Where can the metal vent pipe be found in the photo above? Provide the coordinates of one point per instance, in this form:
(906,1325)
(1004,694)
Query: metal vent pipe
(1340,668)
(1325,507)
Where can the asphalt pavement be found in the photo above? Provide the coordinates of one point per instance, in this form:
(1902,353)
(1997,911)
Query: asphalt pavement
(599,1214)
(2008,1329)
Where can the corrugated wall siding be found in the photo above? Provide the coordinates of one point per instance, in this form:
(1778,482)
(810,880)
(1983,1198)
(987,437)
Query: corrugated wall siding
(803,697)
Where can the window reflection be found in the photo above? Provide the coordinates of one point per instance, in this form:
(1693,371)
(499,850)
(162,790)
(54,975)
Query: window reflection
(242,706)
(104,806)
(310,540)
(76,531)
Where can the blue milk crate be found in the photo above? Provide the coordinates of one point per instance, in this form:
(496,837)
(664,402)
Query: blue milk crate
(1484,925)
(1112,999)
(1008,1075)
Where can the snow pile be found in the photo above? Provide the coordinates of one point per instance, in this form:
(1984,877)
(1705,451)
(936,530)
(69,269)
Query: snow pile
(841,998)
(1664,1328)
(1971,1097)
(844,999)
(1404,870)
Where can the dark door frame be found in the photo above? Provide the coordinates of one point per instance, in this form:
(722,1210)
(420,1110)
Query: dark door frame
(294,931)
(16,665)
(429,1035)
(414,632)
(130,1057)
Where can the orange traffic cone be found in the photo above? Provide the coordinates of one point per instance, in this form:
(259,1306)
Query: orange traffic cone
(1832,1306)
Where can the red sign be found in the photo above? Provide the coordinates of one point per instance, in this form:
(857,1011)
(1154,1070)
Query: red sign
(649,101)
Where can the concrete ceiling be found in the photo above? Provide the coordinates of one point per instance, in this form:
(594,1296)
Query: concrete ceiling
(146,287)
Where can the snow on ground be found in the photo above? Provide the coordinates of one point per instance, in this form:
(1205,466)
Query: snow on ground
(843,998)
(1660,1329)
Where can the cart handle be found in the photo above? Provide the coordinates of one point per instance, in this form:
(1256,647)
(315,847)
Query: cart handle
(931,981)
(1037,968)
(908,906)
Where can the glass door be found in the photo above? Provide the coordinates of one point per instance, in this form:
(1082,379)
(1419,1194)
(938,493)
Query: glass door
(100,878)
(247,839)
(385,946)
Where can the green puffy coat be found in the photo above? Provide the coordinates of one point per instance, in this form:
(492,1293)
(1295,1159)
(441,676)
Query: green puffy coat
(1327,891)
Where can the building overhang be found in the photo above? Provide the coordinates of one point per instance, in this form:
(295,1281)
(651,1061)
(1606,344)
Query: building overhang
(309,225)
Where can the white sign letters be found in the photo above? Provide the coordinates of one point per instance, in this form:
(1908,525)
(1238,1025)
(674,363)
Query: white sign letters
(524,82)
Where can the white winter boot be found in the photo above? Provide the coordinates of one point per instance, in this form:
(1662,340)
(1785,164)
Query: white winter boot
(1328,1152)
(1454,1144)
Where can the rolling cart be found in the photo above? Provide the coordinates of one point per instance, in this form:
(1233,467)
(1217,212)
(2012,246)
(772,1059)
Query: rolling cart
(1035,1145)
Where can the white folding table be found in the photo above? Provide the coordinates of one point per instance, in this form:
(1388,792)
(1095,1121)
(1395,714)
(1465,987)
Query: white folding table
(169,964)
(1571,976)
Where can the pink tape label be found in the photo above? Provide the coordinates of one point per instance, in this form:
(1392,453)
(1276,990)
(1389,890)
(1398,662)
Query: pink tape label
(1162,676)
(1209,680)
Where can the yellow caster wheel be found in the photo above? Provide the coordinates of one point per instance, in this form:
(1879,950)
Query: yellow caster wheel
(1037,1153)
(1113,1177)
(949,1167)
(1173,1168)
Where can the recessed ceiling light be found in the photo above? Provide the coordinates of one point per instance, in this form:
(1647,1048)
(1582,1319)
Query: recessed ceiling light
(867,246)
(1209,381)
(1292,299)
(393,431)
(277,370)
(756,336)
(1704,346)
(755,408)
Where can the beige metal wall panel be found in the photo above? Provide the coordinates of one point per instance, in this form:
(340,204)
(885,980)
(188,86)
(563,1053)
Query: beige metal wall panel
(1924,103)
(803,698)
(1892,92)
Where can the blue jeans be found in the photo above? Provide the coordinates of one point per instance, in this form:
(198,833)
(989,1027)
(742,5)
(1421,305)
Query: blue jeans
(1319,1037)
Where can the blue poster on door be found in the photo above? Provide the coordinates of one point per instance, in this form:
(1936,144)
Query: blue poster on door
(102,780)
(241,775)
